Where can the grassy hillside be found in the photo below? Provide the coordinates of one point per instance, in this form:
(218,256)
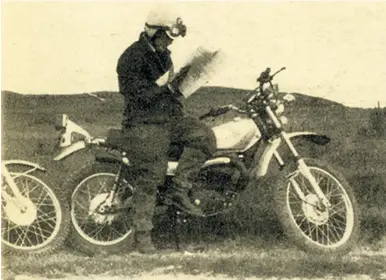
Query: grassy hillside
(28,133)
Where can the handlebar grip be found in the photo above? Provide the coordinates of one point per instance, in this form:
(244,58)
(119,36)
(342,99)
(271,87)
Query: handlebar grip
(215,112)
(266,72)
(204,116)
(264,76)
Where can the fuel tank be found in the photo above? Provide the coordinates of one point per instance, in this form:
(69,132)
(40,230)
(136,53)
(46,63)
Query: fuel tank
(238,134)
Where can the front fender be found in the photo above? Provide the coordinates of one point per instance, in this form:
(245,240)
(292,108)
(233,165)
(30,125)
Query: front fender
(70,150)
(265,159)
(23,162)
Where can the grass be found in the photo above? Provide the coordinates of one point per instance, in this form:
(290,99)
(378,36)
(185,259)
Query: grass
(28,134)
(244,258)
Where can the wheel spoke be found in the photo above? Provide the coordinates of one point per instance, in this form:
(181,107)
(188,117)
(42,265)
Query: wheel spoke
(302,221)
(41,230)
(26,237)
(110,234)
(114,230)
(313,228)
(89,193)
(102,186)
(95,228)
(46,220)
(36,234)
(81,205)
(43,192)
(12,228)
(32,190)
(26,190)
(9,232)
(338,221)
(19,235)
(325,234)
(338,213)
(42,200)
(333,231)
(96,231)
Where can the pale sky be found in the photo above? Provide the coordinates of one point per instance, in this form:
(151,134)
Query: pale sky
(335,50)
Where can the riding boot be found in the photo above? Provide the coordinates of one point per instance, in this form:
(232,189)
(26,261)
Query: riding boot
(144,243)
(180,198)
(187,171)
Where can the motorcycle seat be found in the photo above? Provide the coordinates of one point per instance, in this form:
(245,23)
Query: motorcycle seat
(116,140)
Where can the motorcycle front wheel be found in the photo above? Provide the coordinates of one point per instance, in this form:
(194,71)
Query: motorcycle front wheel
(38,222)
(98,226)
(312,226)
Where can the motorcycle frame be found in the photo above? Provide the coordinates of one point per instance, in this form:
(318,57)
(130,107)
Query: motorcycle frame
(270,151)
(262,164)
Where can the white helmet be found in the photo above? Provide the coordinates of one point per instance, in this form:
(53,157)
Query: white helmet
(173,26)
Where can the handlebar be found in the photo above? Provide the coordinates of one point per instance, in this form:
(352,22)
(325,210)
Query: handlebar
(266,78)
(221,110)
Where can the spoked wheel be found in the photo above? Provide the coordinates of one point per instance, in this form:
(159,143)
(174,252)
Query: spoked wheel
(315,227)
(35,223)
(99,216)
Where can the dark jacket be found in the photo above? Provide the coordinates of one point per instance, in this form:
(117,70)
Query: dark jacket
(139,67)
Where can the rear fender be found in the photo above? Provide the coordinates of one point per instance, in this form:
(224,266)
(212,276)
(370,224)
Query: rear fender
(65,152)
(265,159)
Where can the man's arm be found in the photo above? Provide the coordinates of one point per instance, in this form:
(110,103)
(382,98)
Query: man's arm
(134,82)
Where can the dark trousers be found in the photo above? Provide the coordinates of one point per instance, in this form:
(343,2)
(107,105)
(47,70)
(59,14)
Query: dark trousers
(148,146)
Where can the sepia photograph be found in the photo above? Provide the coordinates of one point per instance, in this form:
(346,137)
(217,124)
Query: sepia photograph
(193,140)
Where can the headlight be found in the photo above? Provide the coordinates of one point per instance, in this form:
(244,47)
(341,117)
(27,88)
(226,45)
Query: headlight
(280,109)
(289,97)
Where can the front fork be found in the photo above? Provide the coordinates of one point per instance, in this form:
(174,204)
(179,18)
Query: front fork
(302,166)
(11,183)
(119,180)
(305,171)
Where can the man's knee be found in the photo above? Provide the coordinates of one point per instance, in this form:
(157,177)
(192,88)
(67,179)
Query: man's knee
(207,144)
(204,139)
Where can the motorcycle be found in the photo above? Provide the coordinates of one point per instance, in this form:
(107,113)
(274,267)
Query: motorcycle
(314,203)
(35,218)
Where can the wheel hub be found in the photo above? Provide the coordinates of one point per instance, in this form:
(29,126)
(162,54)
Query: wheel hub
(313,212)
(101,211)
(21,211)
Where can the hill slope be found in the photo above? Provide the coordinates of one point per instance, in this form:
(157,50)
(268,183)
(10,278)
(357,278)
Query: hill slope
(28,133)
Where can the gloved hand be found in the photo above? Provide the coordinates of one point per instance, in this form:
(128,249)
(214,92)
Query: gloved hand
(174,90)
(163,79)
(180,77)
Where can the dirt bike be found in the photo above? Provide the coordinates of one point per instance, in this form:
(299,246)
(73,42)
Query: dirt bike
(35,218)
(314,203)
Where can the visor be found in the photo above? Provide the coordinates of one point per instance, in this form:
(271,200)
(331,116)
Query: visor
(174,30)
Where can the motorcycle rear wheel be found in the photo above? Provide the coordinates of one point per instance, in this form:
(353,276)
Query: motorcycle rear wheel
(41,226)
(312,228)
(92,232)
